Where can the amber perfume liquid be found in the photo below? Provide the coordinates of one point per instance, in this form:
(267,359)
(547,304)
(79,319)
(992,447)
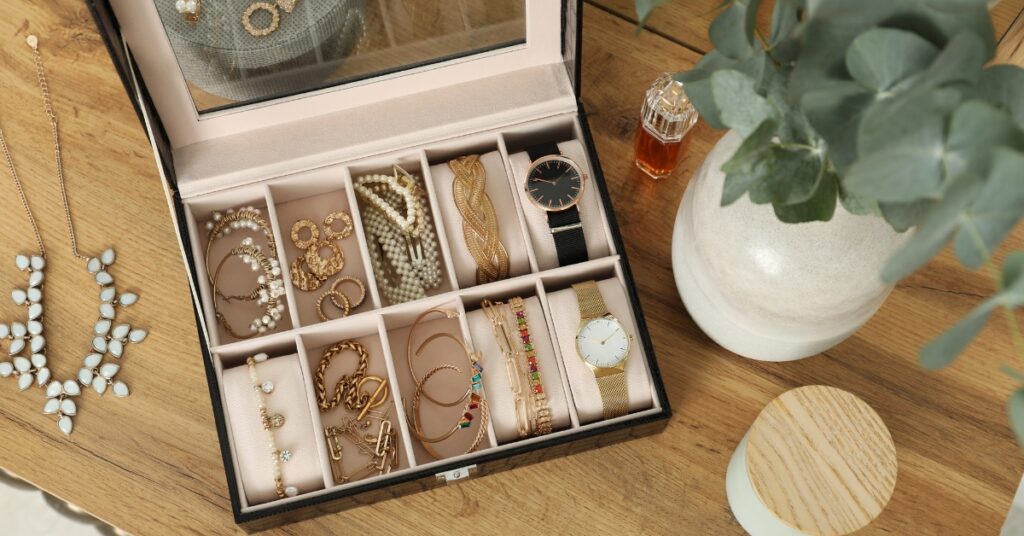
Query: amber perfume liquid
(657,158)
(666,118)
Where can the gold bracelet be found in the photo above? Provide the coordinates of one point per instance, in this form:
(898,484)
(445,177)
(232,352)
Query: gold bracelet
(472,399)
(479,221)
(510,349)
(270,423)
(541,409)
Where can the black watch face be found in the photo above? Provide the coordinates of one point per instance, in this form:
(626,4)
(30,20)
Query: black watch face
(554,183)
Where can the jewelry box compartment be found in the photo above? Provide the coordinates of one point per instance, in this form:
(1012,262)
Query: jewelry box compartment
(428,396)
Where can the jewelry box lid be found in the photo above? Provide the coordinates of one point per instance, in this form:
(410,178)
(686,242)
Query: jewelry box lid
(239,90)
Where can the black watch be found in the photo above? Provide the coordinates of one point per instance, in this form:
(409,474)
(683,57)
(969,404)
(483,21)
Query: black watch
(555,185)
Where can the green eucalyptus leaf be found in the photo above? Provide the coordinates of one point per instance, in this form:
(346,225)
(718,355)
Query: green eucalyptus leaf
(831,25)
(856,205)
(975,129)
(1012,280)
(902,216)
(753,149)
(881,57)
(785,45)
(944,349)
(742,108)
(732,31)
(960,61)
(820,207)
(697,82)
(796,176)
(916,113)
(751,162)
(1015,408)
(908,170)
(1003,86)
(937,225)
(644,8)
(835,112)
(995,212)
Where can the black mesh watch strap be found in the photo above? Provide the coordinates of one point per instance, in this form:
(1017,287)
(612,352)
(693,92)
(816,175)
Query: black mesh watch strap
(567,230)
(536,152)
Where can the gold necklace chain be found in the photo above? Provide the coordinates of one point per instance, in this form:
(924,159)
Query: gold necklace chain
(44,89)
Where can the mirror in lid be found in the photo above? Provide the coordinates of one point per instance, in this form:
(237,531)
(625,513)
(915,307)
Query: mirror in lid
(239,52)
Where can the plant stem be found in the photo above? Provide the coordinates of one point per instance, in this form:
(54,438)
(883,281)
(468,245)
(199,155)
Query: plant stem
(1011,319)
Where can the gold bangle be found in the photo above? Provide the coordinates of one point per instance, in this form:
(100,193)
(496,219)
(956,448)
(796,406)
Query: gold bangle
(270,423)
(479,221)
(472,399)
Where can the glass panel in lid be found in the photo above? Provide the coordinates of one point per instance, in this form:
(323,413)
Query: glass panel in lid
(238,52)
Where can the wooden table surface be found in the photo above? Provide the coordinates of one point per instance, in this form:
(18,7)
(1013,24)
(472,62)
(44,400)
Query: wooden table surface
(151,464)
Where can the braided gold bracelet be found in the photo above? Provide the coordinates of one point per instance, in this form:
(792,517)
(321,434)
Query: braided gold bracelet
(479,221)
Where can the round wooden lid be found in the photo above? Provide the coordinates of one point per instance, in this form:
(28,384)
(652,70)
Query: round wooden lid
(821,460)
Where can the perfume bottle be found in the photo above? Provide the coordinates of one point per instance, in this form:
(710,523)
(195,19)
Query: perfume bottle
(665,119)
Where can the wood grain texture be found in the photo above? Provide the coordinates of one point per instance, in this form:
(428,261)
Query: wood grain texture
(151,464)
(821,460)
(1011,48)
(687,21)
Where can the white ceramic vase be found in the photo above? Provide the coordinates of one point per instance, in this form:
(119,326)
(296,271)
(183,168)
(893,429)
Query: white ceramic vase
(769,290)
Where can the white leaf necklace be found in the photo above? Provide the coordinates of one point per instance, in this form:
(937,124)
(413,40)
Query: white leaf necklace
(24,342)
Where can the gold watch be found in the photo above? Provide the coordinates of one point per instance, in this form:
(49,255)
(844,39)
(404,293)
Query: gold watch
(603,344)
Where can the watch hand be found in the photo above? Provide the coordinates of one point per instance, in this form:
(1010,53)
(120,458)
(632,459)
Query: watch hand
(542,180)
(610,336)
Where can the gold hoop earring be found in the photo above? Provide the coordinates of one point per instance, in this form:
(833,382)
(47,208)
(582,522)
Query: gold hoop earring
(275,19)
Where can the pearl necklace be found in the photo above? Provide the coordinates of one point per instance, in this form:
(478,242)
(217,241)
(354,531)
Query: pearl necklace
(403,246)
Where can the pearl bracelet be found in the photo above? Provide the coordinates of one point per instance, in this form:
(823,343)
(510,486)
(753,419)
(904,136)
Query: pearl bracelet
(270,423)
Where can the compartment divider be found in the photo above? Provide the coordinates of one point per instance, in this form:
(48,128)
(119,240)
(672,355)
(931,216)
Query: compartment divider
(503,149)
(542,296)
(205,291)
(396,393)
(314,410)
(435,211)
(578,133)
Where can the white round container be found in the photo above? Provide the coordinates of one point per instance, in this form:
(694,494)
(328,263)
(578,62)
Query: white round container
(818,461)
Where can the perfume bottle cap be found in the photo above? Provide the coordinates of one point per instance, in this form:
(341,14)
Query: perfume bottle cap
(667,113)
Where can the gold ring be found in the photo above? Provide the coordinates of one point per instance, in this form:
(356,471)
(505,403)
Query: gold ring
(345,231)
(347,279)
(346,309)
(275,19)
(314,234)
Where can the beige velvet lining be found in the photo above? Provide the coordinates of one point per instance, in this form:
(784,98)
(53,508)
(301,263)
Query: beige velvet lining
(496,382)
(565,314)
(498,190)
(537,220)
(251,445)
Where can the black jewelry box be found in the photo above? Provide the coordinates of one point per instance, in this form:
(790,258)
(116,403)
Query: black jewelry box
(515,84)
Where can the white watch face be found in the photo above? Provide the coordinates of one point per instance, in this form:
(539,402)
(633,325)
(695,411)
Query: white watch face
(602,342)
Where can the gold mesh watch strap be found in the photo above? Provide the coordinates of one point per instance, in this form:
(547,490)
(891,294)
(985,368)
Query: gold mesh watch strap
(590,300)
(614,395)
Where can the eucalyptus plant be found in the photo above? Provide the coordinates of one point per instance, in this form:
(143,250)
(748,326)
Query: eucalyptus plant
(889,108)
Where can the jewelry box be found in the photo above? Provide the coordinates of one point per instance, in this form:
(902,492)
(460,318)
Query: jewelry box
(363,190)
